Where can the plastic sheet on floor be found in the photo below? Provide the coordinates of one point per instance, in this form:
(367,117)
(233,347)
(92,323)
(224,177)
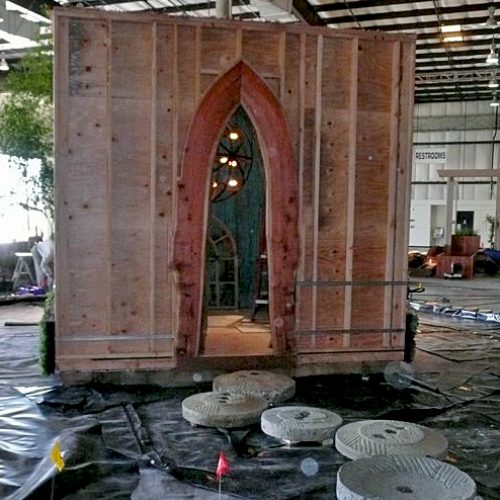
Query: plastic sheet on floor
(456,312)
(122,443)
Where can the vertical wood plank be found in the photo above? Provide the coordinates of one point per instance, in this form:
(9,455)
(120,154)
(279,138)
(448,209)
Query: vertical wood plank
(131,174)
(351,190)
(82,191)
(372,177)
(165,157)
(153,183)
(309,52)
(175,170)
(282,65)
(390,267)
(197,64)
(317,178)
(334,186)
(403,191)
(61,181)
(292,99)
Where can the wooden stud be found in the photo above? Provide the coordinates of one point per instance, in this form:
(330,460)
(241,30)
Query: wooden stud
(392,214)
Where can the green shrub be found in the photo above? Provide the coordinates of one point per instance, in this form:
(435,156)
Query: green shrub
(47,353)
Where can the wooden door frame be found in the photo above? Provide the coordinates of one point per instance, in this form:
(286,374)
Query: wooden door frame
(239,86)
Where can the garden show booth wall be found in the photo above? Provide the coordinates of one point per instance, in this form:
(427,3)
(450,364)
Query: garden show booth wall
(142,101)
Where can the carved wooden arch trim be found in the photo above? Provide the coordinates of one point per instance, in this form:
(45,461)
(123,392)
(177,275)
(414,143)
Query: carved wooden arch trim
(240,85)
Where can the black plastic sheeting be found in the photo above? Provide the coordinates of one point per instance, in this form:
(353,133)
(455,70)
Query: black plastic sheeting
(121,443)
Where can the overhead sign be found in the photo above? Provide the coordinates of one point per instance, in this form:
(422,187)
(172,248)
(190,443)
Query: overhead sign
(434,155)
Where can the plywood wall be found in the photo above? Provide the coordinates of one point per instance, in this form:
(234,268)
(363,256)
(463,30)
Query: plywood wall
(127,88)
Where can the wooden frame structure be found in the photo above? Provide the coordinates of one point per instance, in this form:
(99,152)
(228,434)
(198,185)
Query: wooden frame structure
(135,133)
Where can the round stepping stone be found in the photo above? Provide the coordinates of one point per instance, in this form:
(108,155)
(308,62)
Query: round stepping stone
(300,423)
(271,386)
(389,437)
(222,409)
(397,477)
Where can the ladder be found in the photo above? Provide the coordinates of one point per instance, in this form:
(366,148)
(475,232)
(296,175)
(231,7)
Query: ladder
(22,271)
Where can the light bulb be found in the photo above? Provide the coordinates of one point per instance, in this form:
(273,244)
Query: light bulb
(232,183)
(223,159)
(492,58)
(233,136)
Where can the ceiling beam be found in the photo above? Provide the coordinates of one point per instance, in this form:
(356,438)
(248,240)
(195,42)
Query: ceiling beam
(180,7)
(417,25)
(307,13)
(391,14)
(465,32)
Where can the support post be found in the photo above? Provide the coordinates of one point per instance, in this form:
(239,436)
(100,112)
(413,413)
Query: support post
(223,9)
(450,194)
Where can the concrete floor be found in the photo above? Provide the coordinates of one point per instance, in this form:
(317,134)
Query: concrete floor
(453,382)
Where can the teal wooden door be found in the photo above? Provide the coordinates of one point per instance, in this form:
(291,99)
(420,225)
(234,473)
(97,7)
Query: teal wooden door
(242,215)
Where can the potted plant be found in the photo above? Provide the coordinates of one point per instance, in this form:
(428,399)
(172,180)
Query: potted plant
(465,242)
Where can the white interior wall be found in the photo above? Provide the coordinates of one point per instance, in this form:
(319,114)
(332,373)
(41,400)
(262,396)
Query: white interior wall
(467,131)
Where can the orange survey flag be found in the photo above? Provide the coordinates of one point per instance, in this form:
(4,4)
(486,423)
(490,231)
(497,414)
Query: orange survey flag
(222,466)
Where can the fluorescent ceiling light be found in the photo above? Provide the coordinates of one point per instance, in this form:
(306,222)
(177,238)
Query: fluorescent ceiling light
(455,33)
(453,38)
(451,28)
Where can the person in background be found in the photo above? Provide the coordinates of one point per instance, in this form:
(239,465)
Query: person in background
(43,259)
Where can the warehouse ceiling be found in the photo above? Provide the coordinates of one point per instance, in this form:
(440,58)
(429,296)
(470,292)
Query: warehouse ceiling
(454,37)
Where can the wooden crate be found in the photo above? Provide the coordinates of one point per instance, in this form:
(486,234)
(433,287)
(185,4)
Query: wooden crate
(140,102)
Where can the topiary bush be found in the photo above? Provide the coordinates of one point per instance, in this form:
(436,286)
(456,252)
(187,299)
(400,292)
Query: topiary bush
(47,351)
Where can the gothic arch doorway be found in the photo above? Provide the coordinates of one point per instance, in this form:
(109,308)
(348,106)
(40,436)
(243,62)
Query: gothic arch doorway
(240,86)
(236,299)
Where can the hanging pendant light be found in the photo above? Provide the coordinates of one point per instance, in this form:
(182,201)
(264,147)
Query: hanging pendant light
(493,83)
(492,58)
(233,162)
(491,22)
